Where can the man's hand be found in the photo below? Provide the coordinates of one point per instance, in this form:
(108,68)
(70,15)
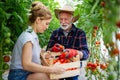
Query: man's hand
(71,53)
(57,48)
(68,53)
(80,54)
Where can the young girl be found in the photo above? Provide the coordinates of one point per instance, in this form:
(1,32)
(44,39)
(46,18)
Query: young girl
(25,62)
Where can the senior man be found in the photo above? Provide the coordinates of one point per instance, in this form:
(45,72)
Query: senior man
(69,35)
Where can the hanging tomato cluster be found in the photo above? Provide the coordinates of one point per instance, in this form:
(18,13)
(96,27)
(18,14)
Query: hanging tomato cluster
(94,66)
(6,60)
(118,24)
(91,66)
(95,28)
(97,43)
(113,45)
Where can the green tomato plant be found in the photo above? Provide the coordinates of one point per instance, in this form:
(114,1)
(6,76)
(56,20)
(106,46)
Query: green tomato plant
(13,20)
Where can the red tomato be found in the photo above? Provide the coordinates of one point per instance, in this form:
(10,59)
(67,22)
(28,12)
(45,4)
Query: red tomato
(6,58)
(118,24)
(96,27)
(103,66)
(89,63)
(102,3)
(115,51)
(94,66)
(62,60)
(67,61)
(63,55)
(118,36)
(57,48)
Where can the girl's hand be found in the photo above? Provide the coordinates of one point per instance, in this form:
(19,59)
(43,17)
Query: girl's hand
(47,55)
(57,70)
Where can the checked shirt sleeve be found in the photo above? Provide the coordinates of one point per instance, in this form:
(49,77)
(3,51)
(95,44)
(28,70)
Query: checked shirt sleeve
(83,46)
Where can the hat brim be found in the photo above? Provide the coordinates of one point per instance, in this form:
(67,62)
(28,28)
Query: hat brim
(57,11)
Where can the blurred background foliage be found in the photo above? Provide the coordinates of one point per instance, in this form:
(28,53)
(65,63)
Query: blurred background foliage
(100,19)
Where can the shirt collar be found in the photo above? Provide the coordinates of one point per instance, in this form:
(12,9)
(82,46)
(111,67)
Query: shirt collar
(34,34)
(30,30)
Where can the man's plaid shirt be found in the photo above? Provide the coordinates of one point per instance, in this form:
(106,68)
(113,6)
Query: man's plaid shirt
(76,39)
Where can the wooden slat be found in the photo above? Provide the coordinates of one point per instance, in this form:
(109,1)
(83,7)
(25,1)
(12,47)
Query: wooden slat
(70,65)
(66,74)
(69,73)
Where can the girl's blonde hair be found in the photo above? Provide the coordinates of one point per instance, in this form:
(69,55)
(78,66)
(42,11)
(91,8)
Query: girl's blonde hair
(39,10)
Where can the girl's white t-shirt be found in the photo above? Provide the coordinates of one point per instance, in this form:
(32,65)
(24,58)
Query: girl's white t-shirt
(28,35)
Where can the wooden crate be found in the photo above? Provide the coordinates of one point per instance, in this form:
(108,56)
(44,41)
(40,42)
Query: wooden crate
(69,73)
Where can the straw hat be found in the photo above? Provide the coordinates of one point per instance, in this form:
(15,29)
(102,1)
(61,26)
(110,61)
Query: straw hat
(66,8)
